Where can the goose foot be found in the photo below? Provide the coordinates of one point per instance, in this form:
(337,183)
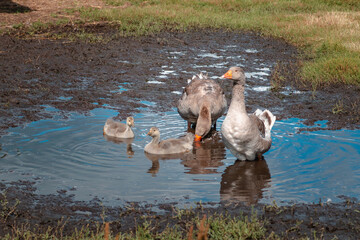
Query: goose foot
(259,156)
(189,125)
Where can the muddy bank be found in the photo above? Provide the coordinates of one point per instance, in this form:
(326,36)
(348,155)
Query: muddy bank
(63,215)
(77,76)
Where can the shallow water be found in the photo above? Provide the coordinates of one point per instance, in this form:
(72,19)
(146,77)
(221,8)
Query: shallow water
(74,155)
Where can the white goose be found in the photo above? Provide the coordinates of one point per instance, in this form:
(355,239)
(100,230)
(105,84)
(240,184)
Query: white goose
(202,102)
(119,130)
(246,136)
(168,146)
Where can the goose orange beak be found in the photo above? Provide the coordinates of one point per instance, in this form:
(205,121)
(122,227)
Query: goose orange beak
(227,75)
(197,138)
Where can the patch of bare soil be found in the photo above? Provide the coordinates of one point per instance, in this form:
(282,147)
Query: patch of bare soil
(40,10)
(63,215)
(79,76)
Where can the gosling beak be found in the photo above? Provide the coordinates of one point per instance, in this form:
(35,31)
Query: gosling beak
(197,138)
(227,75)
(148,133)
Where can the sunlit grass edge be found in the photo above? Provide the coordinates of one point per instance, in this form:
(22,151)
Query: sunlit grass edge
(307,24)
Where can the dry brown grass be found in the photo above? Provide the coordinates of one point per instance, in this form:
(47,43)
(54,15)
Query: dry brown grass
(203,230)
(106,231)
(336,19)
(331,22)
(45,11)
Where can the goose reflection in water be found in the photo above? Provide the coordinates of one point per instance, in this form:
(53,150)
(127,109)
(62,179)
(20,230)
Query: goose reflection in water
(245,181)
(154,158)
(205,158)
(127,141)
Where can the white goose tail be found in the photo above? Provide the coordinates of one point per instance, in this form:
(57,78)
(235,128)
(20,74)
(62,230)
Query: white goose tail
(267,117)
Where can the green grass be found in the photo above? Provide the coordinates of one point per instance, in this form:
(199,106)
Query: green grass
(224,227)
(214,227)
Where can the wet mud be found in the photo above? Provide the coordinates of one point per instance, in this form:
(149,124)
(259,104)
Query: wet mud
(63,215)
(36,74)
(8,6)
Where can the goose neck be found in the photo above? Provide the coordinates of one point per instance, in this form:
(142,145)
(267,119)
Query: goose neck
(155,140)
(203,124)
(238,97)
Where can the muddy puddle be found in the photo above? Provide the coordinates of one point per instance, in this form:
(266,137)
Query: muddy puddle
(52,130)
(74,156)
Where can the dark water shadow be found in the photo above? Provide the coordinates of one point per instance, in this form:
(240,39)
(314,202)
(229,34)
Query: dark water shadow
(206,156)
(127,141)
(154,158)
(7,6)
(245,181)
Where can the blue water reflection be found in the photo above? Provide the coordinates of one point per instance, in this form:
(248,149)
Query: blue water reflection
(312,165)
(74,155)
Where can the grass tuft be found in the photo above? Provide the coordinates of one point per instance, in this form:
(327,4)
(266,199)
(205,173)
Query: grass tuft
(333,69)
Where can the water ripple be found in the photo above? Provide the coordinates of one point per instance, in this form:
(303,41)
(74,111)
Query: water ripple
(300,167)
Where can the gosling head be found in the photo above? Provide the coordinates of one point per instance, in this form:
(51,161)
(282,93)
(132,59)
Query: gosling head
(130,121)
(235,73)
(154,132)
